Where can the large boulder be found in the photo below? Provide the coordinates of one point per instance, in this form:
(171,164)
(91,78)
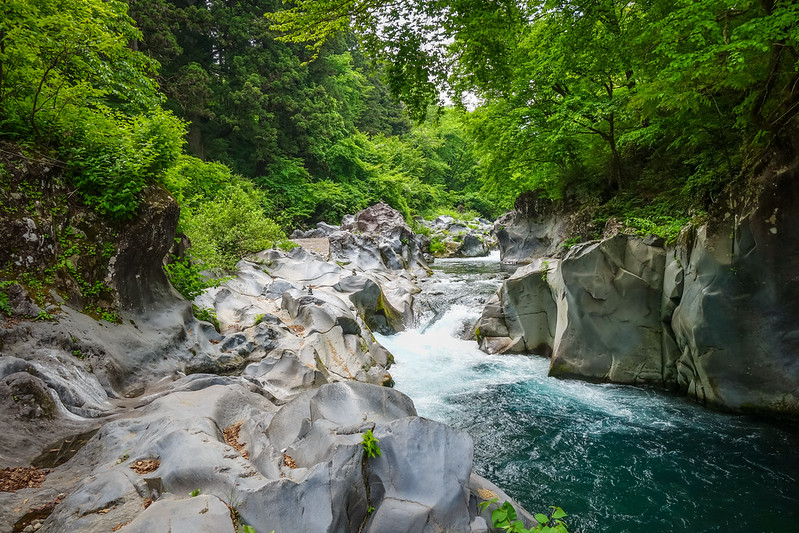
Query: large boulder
(472,246)
(608,297)
(521,316)
(135,271)
(534,229)
(378,238)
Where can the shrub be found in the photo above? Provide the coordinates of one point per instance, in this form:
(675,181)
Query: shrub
(437,246)
(186,276)
(112,157)
(230,226)
(192,181)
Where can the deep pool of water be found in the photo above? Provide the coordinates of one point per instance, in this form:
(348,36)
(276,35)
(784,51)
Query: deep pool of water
(616,458)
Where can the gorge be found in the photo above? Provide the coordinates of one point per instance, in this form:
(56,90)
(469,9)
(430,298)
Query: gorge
(423,266)
(615,457)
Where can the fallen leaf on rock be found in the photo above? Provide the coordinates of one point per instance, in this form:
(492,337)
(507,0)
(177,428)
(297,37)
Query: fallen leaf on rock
(486,494)
(289,461)
(15,478)
(145,466)
(231,434)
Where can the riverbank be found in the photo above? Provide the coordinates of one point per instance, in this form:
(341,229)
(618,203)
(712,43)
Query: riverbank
(615,457)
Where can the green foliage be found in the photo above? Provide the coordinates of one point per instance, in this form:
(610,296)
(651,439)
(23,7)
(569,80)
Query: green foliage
(206,314)
(195,492)
(115,157)
(665,226)
(586,100)
(5,307)
(371,449)
(44,315)
(186,276)
(223,216)
(229,227)
(192,181)
(505,517)
(68,78)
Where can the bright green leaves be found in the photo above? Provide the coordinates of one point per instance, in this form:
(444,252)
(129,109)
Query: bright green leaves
(222,214)
(505,517)
(371,449)
(61,54)
(69,79)
(112,156)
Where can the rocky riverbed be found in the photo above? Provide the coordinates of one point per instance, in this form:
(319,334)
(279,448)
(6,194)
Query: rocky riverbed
(255,420)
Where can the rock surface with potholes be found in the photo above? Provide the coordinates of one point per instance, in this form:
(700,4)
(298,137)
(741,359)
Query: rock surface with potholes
(165,423)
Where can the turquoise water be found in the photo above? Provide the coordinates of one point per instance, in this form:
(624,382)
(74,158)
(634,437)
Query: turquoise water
(616,458)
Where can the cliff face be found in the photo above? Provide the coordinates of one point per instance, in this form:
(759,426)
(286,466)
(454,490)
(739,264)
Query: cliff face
(715,315)
(736,321)
(49,241)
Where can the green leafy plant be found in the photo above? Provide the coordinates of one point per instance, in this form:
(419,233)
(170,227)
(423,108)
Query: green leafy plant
(505,517)
(195,492)
(44,315)
(544,271)
(248,529)
(370,445)
(437,246)
(5,306)
(207,314)
(186,276)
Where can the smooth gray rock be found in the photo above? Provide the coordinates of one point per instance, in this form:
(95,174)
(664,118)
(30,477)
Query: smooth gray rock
(306,469)
(472,246)
(377,238)
(534,229)
(608,296)
(521,317)
(202,514)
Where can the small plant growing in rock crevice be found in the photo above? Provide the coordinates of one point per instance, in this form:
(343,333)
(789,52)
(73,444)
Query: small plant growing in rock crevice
(206,314)
(370,445)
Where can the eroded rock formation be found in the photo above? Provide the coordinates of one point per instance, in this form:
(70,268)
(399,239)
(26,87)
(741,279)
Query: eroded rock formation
(713,316)
(257,419)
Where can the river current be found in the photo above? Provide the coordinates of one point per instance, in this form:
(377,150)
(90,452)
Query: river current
(616,458)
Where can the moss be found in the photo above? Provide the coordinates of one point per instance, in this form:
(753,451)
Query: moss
(393,317)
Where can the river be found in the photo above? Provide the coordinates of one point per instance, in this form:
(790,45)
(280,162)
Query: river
(616,458)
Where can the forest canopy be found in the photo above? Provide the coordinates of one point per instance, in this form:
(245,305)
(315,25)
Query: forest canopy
(638,101)
(307,110)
